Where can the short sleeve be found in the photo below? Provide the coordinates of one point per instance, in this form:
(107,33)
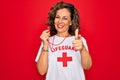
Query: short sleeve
(85,43)
(39,52)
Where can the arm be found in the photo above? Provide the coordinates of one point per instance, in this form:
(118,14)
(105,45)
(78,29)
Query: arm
(85,58)
(42,63)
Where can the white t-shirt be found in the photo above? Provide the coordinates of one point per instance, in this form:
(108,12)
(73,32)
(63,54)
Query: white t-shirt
(63,60)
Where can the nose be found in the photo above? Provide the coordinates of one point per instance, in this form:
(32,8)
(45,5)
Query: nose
(60,21)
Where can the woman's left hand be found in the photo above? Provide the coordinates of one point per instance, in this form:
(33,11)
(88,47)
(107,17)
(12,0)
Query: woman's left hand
(77,43)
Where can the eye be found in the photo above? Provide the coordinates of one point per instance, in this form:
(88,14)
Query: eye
(65,18)
(57,17)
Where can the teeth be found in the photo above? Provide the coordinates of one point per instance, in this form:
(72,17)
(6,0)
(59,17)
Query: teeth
(60,26)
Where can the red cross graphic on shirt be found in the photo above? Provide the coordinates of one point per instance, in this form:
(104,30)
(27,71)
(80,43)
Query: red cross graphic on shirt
(64,59)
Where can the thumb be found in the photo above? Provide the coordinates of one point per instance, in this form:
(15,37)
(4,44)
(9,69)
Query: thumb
(76,34)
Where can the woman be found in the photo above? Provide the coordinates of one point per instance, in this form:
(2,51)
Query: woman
(63,53)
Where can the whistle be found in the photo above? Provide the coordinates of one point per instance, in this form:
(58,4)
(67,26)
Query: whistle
(48,28)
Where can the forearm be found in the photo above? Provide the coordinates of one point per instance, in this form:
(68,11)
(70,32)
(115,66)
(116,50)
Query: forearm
(42,64)
(86,59)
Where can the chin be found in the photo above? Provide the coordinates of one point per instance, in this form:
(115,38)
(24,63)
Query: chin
(59,30)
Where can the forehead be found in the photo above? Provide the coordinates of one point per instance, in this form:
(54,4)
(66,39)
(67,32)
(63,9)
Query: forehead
(64,12)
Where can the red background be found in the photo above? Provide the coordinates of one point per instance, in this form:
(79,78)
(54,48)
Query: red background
(22,22)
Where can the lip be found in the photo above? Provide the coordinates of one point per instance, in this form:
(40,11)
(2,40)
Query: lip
(60,26)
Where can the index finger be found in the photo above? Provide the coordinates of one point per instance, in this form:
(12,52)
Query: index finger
(46,31)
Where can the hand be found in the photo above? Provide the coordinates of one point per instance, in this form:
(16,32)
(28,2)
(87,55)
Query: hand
(45,37)
(77,43)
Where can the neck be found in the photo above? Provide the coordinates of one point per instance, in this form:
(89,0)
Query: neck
(63,35)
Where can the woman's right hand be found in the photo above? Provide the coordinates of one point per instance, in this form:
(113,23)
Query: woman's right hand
(45,37)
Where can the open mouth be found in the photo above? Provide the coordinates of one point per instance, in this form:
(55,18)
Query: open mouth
(60,26)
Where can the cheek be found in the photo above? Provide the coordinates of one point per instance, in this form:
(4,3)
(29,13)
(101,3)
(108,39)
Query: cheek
(56,20)
(67,23)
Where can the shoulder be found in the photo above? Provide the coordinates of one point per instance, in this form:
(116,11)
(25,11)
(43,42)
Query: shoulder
(73,37)
(51,36)
(83,39)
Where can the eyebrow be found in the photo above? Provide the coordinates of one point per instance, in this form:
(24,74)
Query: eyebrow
(63,16)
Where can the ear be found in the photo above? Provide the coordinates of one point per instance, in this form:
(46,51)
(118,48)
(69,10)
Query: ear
(70,23)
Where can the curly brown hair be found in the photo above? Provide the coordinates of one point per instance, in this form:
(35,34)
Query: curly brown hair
(73,14)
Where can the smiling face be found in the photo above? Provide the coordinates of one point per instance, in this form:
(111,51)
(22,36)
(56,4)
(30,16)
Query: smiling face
(62,21)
